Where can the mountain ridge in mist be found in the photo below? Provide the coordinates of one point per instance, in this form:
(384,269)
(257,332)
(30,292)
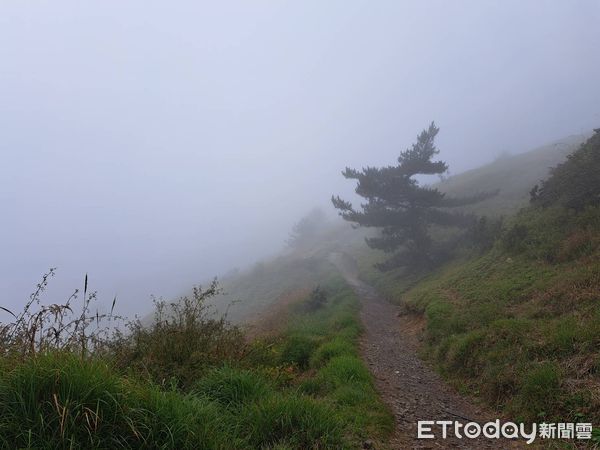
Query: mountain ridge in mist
(251,291)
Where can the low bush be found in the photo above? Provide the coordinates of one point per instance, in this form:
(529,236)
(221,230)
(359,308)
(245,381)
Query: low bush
(575,182)
(183,341)
(316,300)
(298,350)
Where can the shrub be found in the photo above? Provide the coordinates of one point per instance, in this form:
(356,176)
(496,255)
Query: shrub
(182,343)
(514,239)
(579,243)
(539,233)
(574,183)
(484,232)
(297,350)
(316,300)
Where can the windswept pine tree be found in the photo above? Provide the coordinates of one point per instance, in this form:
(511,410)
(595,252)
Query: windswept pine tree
(403,209)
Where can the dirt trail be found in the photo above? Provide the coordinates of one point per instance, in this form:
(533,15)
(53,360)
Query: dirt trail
(411,389)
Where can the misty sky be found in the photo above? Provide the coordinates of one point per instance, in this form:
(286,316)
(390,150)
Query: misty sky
(156,144)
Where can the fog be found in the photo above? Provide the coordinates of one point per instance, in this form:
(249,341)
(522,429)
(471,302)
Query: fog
(154,145)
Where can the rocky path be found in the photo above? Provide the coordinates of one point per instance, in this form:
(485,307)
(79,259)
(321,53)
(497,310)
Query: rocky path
(412,390)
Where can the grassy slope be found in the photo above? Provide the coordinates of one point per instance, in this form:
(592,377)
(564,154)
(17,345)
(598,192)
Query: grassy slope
(255,290)
(521,333)
(513,175)
(304,388)
(306,385)
(519,329)
(250,293)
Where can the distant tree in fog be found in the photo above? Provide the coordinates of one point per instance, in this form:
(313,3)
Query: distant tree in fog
(405,211)
(307,229)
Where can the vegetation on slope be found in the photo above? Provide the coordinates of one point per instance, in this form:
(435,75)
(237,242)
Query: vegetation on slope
(173,385)
(405,212)
(519,325)
(248,294)
(512,175)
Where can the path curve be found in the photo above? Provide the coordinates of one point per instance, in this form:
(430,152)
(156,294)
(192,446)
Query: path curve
(407,385)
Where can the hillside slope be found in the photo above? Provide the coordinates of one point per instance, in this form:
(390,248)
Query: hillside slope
(519,325)
(512,175)
(248,294)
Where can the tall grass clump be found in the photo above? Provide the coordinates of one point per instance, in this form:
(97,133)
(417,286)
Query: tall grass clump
(301,422)
(59,398)
(170,419)
(338,346)
(298,349)
(343,370)
(65,326)
(182,342)
(62,401)
(233,387)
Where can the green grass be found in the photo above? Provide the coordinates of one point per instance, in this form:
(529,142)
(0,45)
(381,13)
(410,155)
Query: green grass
(297,420)
(344,371)
(298,349)
(306,388)
(60,401)
(233,387)
(337,373)
(519,327)
(338,346)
